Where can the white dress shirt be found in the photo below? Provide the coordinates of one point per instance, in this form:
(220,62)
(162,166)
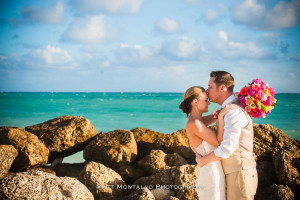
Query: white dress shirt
(234,121)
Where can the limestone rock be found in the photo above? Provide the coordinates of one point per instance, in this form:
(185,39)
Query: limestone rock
(174,159)
(181,179)
(275,192)
(161,193)
(266,175)
(102,181)
(114,149)
(69,169)
(129,173)
(7,156)
(158,160)
(176,142)
(64,135)
(171,198)
(38,185)
(268,140)
(287,167)
(45,168)
(31,151)
(141,194)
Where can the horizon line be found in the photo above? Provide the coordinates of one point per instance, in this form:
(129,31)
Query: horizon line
(107,92)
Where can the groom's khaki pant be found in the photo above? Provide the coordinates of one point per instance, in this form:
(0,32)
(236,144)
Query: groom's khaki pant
(241,185)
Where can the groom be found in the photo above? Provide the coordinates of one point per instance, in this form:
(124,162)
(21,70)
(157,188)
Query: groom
(236,149)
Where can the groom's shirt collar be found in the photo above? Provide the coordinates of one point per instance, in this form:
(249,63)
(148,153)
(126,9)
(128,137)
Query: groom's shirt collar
(228,100)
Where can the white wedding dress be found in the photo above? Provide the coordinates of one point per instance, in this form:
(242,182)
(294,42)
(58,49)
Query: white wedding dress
(210,183)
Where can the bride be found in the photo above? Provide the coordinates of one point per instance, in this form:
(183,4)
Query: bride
(210,183)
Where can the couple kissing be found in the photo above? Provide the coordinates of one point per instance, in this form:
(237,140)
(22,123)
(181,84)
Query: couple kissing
(228,167)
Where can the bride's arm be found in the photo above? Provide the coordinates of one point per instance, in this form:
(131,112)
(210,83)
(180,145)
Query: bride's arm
(208,120)
(199,129)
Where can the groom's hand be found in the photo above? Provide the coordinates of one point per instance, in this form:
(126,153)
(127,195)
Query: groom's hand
(199,160)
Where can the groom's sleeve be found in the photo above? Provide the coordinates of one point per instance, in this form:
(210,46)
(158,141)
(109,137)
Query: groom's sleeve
(234,121)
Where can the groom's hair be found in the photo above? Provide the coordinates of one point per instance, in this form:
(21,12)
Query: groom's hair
(223,78)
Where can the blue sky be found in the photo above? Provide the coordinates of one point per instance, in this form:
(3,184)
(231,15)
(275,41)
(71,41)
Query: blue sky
(147,45)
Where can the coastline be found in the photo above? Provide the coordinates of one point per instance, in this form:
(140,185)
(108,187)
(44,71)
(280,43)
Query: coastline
(111,111)
(148,159)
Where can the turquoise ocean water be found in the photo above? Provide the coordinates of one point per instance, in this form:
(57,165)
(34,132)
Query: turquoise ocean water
(111,111)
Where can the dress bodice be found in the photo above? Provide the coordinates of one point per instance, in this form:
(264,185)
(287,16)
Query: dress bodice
(204,148)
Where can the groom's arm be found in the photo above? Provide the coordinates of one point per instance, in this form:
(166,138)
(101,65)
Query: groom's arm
(234,121)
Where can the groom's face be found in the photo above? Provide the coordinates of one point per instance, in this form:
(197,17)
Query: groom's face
(212,90)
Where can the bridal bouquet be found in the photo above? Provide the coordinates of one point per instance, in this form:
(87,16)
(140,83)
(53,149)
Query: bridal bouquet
(257,98)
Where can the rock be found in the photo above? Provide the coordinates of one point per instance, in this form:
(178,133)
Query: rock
(181,179)
(175,159)
(7,156)
(268,140)
(69,169)
(275,192)
(158,160)
(64,135)
(171,198)
(47,169)
(129,173)
(114,149)
(154,162)
(31,151)
(287,167)
(38,185)
(140,194)
(102,181)
(161,193)
(176,142)
(265,172)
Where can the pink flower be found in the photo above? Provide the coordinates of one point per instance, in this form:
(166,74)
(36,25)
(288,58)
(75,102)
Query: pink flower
(269,101)
(261,95)
(257,114)
(258,81)
(248,109)
(216,113)
(255,86)
(248,101)
(236,95)
(271,91)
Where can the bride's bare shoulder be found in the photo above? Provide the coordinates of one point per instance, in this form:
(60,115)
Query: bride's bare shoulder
(193,124)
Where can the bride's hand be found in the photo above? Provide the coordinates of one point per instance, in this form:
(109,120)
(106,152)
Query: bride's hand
(226,109)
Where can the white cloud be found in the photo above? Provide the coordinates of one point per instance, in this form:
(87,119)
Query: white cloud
(229,48)
(88,30)
(166,26)
(52,56)
(46,15)
(223,35)
(211,16)
(177,70)
(253,13)
(195,1)
(93,58)
(133,55)
(107,6)
(182,48)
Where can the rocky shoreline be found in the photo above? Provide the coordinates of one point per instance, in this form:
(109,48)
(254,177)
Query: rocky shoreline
(137,164)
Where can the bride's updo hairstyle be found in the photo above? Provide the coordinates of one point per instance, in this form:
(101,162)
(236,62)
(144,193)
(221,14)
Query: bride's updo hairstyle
(189,95)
